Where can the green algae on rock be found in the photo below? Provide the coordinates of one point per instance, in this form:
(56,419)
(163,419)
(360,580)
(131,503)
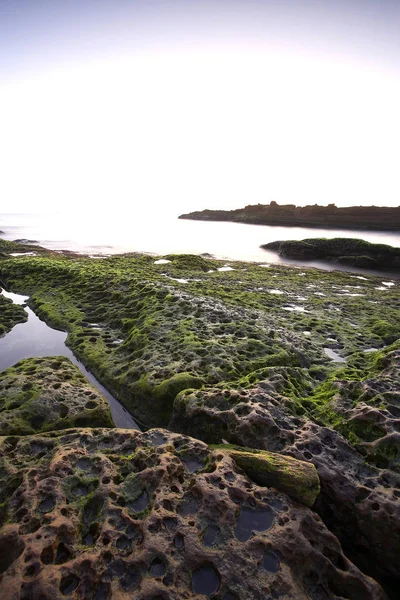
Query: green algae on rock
(360,475)
(6,248)
(237,354)
(298,479)
(73,527)
(44,394)
(137,324)
(10,314)
(361,401)
(346,251)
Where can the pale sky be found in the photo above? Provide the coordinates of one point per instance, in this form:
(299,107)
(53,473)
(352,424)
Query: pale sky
(176,106)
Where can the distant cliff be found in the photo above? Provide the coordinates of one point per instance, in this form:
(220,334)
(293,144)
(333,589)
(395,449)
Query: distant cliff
(354,217)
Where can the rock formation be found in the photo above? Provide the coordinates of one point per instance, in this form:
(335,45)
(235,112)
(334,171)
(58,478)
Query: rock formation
(43,394)
(10,314)
(99,513)
(360,475)
(354,217)
(297,369)
(345,251)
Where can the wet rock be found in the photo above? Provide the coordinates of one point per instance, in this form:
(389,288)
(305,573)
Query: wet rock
(360,482)
(43,394)
(346,251)
(205,580)
(263,541)
(10,314)
(252,520)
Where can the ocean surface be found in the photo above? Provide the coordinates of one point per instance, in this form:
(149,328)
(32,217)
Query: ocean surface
(111,233)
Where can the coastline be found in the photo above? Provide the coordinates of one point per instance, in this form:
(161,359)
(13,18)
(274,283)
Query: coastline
(220,240)
(367,218)
(286,360)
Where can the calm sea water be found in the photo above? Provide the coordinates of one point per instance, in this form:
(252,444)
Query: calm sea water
(110,233)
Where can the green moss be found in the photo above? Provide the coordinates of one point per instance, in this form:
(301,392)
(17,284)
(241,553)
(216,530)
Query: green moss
(386,331)
(296,478)
(43,394)
(347,251)
(10,314)
(80,488)
(166,391)
(137,328)
(332,402)
(190,262)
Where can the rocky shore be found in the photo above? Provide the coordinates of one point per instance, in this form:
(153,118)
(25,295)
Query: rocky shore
(354,217)
(10,314)
(344,251)
(270,468)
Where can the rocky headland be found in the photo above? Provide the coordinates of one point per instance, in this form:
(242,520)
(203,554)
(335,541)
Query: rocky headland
(269,465)
(344,251)
(331,216)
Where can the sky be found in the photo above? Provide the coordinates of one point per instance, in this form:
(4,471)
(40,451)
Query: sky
(169,106)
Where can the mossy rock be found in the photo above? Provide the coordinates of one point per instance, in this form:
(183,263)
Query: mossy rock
(45,394)
(148,331)
(385,330)
(346,251)
(10,314)
(298,479)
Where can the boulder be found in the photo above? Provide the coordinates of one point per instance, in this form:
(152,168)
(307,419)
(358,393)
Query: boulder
(110,513)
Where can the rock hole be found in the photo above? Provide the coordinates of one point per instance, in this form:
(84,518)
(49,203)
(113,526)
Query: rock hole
(189,507)
(84,464)
(179,540)
(192,464)
(92,509)
(270,562)
(68,584)
(252,519)
(131,579)
(63,411)
(123,543)
(90,404)
(170,523)
(157,568)
(47,555)
(103,591)
(32,570)
(63,554)
(80,491)
(205,580)
(92,535)
(47,505)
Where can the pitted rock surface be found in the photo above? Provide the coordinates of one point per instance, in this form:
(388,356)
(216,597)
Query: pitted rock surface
(47,393)
(99,514)
(359,501)
(372,409)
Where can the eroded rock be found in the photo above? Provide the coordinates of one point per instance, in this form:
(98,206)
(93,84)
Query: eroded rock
(43,394)
(211,533)
(360,490)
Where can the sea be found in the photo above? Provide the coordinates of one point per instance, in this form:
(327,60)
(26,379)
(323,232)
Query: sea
(106,233)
